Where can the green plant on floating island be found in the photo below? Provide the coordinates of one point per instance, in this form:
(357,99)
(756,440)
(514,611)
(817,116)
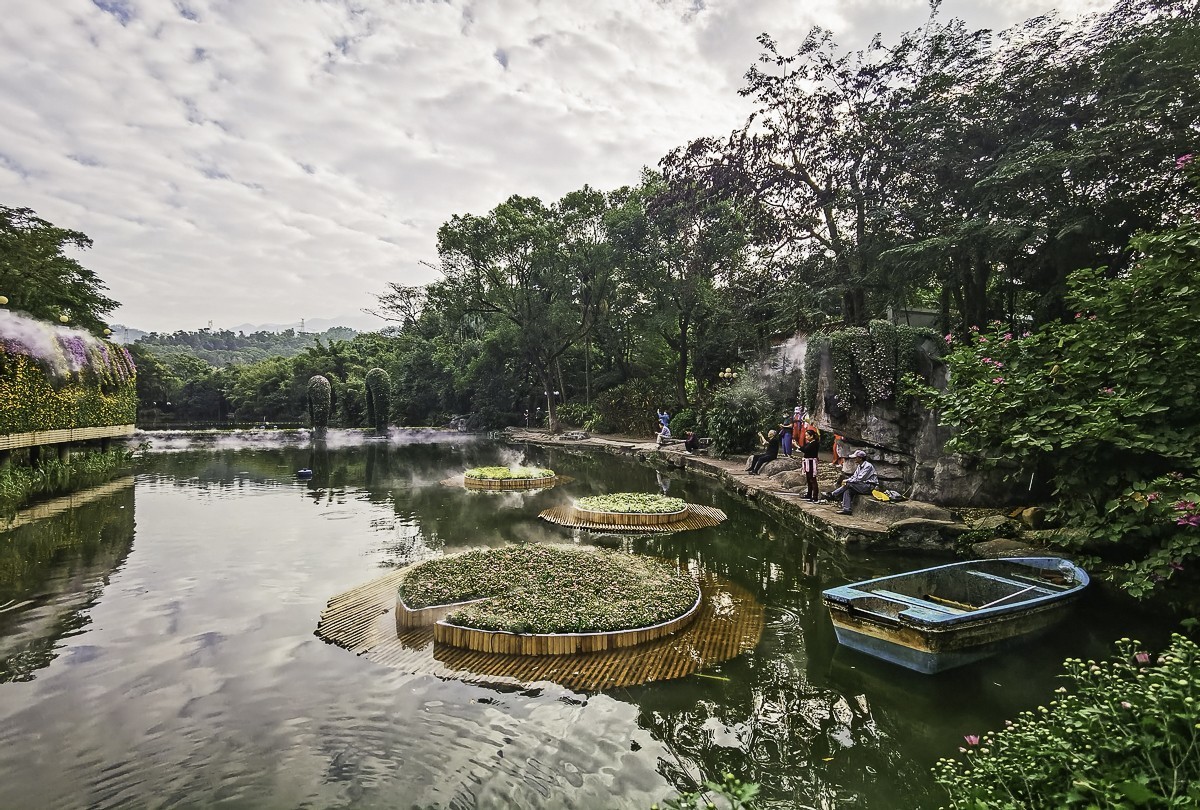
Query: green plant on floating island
(636,503)
(508,473)
(551,589)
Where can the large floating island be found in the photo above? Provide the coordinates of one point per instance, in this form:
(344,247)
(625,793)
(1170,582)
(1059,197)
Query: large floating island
(633,511)
(546,600)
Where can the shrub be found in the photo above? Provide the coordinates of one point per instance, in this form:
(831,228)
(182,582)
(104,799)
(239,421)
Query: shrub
(631,503)
(320,399)
(378,385)
(1124,734)
(508,473)
(33,398)
(576,415)
(1105,406)
(631,407)
(736,415)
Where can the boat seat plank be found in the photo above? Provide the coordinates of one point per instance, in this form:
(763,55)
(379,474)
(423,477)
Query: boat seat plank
(918,603)
(1005,580)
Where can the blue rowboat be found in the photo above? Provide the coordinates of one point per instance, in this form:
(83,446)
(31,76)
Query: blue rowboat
(949,615)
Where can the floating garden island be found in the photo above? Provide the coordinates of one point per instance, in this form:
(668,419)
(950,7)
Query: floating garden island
(634,511)
(509,478)
(546,600)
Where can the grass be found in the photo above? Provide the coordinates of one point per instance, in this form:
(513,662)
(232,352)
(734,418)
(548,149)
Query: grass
(631,503)
(507,473)
(552,589)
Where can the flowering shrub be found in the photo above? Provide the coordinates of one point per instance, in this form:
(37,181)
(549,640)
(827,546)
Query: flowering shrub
(631,503)
(1125,733)
(1105,406)
(551,589)
(101,392)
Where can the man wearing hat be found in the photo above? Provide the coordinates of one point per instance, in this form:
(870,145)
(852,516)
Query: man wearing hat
(861,481)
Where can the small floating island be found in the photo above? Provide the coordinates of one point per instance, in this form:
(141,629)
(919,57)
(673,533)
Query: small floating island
(630,509)
(508,477)
(546,600)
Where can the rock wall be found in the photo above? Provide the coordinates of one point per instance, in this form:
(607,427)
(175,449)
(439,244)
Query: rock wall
(907,444)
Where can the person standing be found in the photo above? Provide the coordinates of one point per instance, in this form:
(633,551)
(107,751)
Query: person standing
(799,426)
(786,433)
(771,440)
(861,481)
(808,452)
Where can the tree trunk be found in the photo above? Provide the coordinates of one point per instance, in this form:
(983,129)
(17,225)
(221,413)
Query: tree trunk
(681,368)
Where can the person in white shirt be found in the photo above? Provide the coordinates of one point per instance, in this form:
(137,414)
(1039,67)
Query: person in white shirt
(861,481)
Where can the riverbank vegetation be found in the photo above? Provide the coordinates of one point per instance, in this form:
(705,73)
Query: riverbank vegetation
(953,171)
(548,589)
(21,482)
(1123,734)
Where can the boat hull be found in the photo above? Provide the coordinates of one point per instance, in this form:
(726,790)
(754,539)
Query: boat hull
(931,650)
(948,616)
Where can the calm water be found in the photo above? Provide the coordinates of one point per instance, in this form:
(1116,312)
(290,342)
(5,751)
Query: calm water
(157,650)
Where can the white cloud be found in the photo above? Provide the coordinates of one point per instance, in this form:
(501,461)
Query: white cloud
(264,160)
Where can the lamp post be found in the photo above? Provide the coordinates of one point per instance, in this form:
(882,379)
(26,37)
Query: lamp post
(728,375)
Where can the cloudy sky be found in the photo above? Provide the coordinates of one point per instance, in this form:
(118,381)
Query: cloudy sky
(260,161)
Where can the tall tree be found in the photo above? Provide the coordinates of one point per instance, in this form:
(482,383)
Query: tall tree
(39,278)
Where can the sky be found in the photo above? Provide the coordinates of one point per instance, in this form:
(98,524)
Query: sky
(263,161)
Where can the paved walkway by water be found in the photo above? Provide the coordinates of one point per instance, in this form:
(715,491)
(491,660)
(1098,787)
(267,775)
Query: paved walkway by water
(903,524)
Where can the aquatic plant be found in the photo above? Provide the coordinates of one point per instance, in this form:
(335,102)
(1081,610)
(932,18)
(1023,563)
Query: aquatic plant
(538,588)
(731,792)
(631,503)
(1125,733)
(508,473)
(320,401)
(378,385)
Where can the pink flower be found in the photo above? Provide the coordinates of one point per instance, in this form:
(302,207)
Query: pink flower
(1142,657)
(1190,520)
(982,339)
(1186,506)
(997,380)
(1026,334)
(974,328)
(949,338)
(1182,161)
(1078,315)
(1152,497)
(1107,391)
(1125,704)
(972,739)
(1008,336)
(1091,317)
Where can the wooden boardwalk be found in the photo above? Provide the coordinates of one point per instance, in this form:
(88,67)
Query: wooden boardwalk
(729,622)
(11,441)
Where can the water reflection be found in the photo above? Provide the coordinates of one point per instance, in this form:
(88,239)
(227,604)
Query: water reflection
(193,677)
(55,559)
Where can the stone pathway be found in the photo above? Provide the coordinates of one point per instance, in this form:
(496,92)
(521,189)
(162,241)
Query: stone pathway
(905,524)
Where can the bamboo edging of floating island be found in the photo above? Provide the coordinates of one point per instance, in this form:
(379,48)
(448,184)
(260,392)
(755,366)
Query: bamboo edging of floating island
(692,516)
(630,519)
(509,483)
(506,643)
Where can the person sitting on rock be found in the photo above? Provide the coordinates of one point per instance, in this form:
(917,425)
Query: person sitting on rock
(861,481)
(663,435)
(771,440)
(691,442)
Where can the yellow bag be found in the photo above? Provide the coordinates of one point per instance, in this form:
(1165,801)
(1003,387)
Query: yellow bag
(880,495)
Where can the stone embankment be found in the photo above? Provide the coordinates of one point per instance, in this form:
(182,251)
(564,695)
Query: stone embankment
(779,488)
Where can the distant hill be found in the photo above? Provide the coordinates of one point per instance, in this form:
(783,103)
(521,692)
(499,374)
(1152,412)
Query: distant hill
(361,322)
(226,347)
(125,334)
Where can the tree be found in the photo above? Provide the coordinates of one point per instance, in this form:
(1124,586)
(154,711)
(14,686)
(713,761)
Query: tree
(544,270)
(39,278)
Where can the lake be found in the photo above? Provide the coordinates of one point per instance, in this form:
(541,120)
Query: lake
(157,649)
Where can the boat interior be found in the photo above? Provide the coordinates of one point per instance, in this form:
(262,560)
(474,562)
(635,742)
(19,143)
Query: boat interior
(940,593)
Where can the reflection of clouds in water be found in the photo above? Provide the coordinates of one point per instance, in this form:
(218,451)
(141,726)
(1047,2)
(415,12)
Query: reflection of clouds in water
(335,439)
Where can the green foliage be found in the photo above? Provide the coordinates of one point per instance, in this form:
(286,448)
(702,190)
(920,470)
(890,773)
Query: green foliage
(818,344)
(223,347)
(508,473)
(737,413)
(34,398)
(40,279)
(1124,734)
(631,407)
(319,401)
(378,386)
(577,415)
(730,793)
(538,588)
(1104,405)
(20,483)
(631,503)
